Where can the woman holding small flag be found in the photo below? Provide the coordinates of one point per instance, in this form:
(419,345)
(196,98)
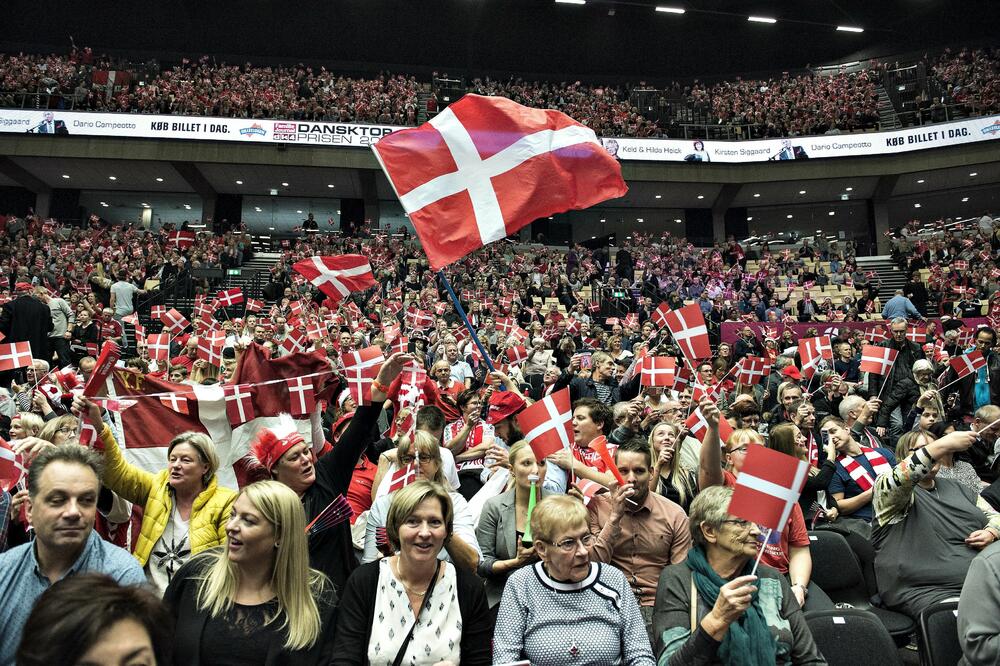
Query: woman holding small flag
(256,602)
(711,609)
(184,508)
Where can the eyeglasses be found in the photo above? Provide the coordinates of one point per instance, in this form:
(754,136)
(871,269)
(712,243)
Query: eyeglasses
(739,449)
(406,460)
(66,430)
(569,545)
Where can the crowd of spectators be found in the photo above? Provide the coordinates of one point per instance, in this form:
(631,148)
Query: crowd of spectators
(877,446)
(788,105)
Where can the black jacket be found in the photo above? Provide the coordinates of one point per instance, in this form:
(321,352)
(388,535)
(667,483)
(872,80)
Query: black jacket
(357,618)
(965,388)
(909,353)
(585,387)
(27,319)
(181,598)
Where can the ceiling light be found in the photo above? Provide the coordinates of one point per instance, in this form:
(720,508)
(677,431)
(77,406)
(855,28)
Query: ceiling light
(789,216)
(761,19)
(831,213)
(964,199)
(848,189)
(671,10)
(239,182)
(257,208)
(973,174)
(187,206)
(658,196)
(849,28)
(159,180)
(920,182)
(592,237)
(66,176)
(571,2)
(677,220)
(331,186)
(701,196)
(271,228)
(802,191)
(750,218)
(602,219)
(639,219)
(756,195)
(916,205)
(112,177)
(299,212)
(104,203)
(284,184)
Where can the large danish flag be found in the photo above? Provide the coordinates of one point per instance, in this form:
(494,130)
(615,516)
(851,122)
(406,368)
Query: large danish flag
(337,276)
(768,487)
(15,355)
(181,239)
(486,166)
(548,424)
(687,325)
(967,364)
(812,351)
(360,369)
(658,371)
(877,359)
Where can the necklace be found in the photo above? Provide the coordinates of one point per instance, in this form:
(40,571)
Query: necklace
(399,577)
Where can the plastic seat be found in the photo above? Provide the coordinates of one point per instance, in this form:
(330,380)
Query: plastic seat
(850,636)
(939,644)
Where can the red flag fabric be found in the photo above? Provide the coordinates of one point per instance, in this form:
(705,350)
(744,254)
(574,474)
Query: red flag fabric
(239,403)
(486,166)
(768,487)
(698,427)
(812,351)
(403,477)
(658,371)
(228,297)
(211,354)
(874,335)
(418,319)
(877,359)
(399,345)
(254,305)
(588,489)
(15,355)
(687,325)
(302,395)
(176,402)
(360,369)
(174,321)
(181,239)
(516,354)
(12,468)
(548,424)
(337,276)
(916,334)
(659,316)
(967,364)
(294,342)
(110,354)
(752,370)
(158,345)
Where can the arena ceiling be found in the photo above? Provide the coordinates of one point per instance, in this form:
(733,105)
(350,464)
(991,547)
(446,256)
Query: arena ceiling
(609,39)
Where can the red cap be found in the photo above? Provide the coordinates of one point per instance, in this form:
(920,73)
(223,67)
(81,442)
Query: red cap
(23,286)
(792,373)
(503,404)
(272,443)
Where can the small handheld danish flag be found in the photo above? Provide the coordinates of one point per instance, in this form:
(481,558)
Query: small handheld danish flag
(812,351)
(15,355)
(697,426)
(967,364)
(658,371)
(877,359)
(768,487)
(337,276)
(548,424)
(228,297)
(687,325)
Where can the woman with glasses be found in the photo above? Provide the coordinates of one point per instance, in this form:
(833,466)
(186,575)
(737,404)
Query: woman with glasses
(185,509)
(424,453)
(711,610)
(565,608)
(412,608)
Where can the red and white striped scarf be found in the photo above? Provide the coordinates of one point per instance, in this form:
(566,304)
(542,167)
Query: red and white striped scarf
(859,473)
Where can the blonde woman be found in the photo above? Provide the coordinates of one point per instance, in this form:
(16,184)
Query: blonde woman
(255,602)
(184,508)
(670,477)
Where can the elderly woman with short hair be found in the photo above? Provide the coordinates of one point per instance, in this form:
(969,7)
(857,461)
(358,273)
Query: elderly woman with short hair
(711,610)
(565,608)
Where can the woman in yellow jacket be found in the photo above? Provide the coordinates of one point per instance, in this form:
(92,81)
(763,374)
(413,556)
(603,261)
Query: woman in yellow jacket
(185,510)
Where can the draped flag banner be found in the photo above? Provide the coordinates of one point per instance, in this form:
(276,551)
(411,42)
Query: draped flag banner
(486,166)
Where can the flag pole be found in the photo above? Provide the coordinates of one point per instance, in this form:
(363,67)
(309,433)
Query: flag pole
(465,320)
(763,546)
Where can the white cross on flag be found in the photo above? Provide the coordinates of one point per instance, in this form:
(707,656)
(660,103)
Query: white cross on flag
(210,353)
(506,325)
(302,395)
(158,345)
(548,424)
(768,487)
(486,166)
(337,276)
(516,354)
(15,355)
(687,325)
(157,312)
(399,345)
(418,319)
(812,351)
(228,297)
(588,489)
(293,342)
(659,316)
(916,334)
(11,467)
(658,371)
(752,370)
(174,321)
(239,403)
(360,369)
(874,335)
(403,477)
(254,305)
(967,364)
(876,359)
(181,239)
(698,427)
(177,402)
